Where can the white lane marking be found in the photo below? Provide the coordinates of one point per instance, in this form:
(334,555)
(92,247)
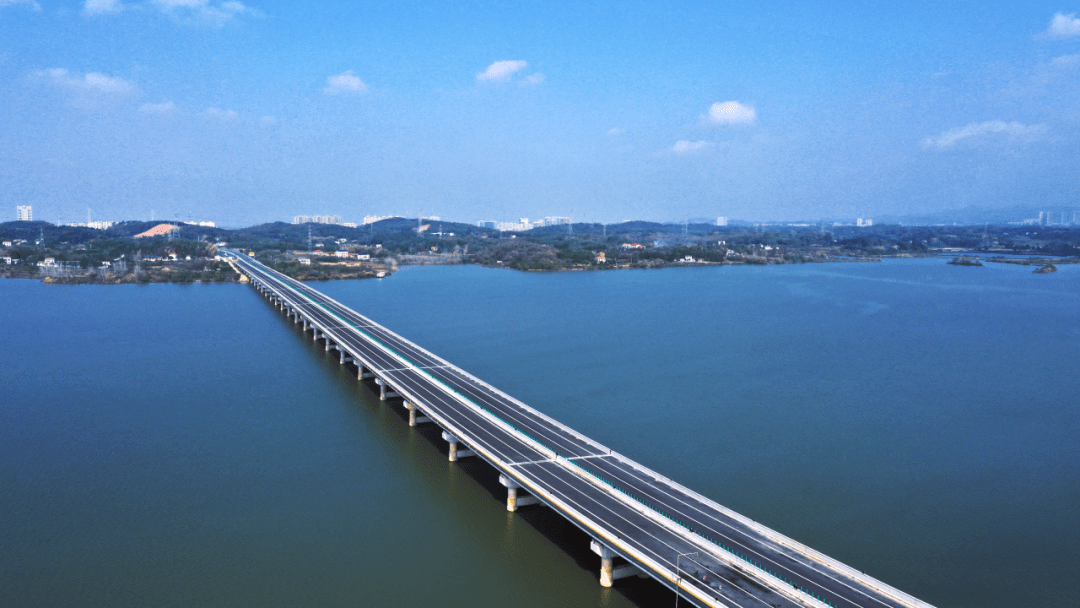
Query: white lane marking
(641,546)
(660,488)
(390,352)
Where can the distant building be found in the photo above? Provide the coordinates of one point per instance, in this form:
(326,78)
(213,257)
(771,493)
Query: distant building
(487,223)
(552,221)
(721,221)
(341,254)
(1044,218)
(601,258)
(305,261)
(24,213)
(203,224)
(519,226)
(94,225)
(371,219)
(349,224)
(316,219)
(864,222)
(632,246)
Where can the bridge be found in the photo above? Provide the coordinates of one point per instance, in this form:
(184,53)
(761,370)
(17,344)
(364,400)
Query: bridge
(641,523)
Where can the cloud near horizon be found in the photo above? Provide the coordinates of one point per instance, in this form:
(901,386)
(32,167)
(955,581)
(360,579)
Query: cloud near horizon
(345,83)
(94,83)
(1063,26)
(689,147)
(101,7)
(216,14)
(977,129)
(501,71)
(221,114)
(166,107)
(30,3)
(731,113)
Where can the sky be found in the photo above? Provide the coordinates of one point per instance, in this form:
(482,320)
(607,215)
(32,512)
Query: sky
(256,111)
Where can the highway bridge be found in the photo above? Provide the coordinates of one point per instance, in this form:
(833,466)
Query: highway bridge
(641,523)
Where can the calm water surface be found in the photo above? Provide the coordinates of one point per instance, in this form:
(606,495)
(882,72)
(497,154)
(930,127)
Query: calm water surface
(179,445)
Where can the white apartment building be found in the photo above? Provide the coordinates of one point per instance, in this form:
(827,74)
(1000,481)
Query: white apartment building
(24,213)
(316,219)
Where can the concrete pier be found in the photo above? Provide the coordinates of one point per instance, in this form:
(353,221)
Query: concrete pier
(455,453)
(513,501)
(607,557)
(415,419)
(385,390)
(608,573)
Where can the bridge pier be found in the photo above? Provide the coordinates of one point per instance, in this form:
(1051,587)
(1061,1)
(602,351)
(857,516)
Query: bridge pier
(363,375)
(608,573)
(414,419)
(331,346)
(385,393)
(344,357)
(455,453)
(513,501)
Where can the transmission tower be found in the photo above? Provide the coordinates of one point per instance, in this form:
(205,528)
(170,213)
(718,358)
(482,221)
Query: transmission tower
(309,238)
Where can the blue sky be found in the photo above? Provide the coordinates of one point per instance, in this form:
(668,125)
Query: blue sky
(245,112)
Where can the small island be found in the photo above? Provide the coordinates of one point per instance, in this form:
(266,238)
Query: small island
(965,261)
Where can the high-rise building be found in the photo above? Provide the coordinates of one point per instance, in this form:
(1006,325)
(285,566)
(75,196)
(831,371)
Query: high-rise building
(316,219)
(1044,218)
(721,221)
(864,222)
(25,213)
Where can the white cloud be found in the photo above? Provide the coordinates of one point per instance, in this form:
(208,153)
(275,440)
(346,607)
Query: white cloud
(534,79)
(345,82)
(501,71)
(30,3)
(1064,26)
(216,14)
(221,114)
(166,107)
(100,7)
(731,113)
(91,84)
(1066,61)
(615,131)
(689,147)
(978,129)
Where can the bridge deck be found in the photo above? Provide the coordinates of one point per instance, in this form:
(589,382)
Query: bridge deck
(642,516)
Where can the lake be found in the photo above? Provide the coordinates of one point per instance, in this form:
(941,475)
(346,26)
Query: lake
(178,445)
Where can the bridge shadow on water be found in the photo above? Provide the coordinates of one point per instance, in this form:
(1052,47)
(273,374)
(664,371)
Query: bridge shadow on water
(393,419)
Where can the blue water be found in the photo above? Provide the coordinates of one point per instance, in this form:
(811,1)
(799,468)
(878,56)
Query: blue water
(173,445)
